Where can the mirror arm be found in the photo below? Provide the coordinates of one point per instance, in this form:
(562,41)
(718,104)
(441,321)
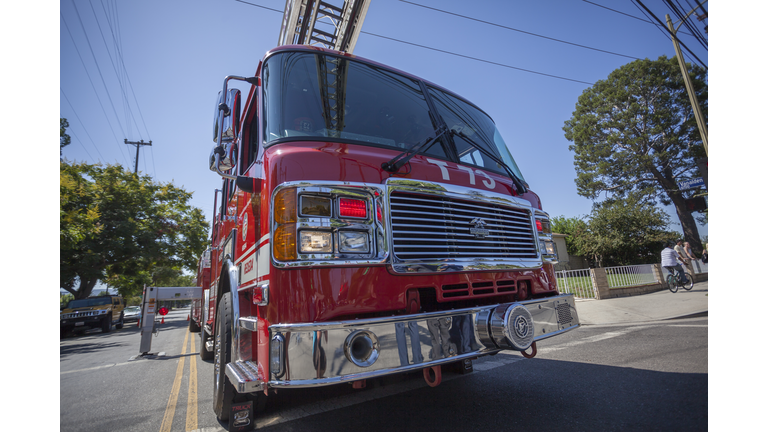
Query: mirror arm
(248,184)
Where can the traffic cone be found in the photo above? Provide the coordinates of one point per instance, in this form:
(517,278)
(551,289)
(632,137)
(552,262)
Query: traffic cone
(138,323)
(162,321)
(187,317)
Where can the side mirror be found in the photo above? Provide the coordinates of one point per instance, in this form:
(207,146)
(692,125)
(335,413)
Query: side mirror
(223,158)
(227,113)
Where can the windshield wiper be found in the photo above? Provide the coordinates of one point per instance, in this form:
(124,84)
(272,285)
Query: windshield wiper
(398,161)
(521,189)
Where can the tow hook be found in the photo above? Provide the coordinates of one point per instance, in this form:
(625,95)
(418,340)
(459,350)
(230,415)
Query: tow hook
(533,351)
(438,378)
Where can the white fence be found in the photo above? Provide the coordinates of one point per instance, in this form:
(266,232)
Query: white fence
(634,275)
(580,283)
(576,282)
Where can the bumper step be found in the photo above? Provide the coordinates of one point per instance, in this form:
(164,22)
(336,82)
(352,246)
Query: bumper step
(244,376)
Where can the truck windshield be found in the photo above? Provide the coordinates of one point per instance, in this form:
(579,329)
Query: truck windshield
(311,96)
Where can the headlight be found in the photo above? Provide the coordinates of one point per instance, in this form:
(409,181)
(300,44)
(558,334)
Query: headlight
(353,242)
(314,242)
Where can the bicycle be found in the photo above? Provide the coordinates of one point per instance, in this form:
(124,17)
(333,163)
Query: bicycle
(675,280)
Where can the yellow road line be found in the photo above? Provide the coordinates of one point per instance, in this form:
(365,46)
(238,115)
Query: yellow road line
(170,410)
(192,395)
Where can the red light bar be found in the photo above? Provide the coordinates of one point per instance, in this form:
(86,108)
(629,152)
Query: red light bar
(352,208)
(538,225)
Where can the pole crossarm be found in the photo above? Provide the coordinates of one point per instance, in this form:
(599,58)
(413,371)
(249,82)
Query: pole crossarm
(138,144)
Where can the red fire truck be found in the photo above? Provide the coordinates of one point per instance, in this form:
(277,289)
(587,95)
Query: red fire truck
(369,223)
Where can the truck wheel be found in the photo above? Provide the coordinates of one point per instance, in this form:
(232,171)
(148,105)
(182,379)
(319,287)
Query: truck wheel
(120,323)
(193,327)
(223,390)
(204,353)
(106,325)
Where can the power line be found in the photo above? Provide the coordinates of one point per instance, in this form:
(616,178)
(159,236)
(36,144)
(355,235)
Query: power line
(447,52)
(478,59)
(97,67)
(81,124)
(629,15)
(66,26)
(520,31)
(666,33)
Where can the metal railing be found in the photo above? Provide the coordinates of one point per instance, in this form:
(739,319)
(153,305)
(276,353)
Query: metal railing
(634,275)
(576,282)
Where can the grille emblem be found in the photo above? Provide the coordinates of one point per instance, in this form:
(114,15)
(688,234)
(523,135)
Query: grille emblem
(478,229)
(521,326)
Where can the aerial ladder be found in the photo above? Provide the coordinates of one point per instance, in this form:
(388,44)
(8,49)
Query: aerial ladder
(340,25)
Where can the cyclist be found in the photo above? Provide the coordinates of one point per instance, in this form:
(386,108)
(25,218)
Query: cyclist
(669,260)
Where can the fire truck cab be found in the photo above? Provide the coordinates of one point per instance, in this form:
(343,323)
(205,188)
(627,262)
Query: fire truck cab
(369,223)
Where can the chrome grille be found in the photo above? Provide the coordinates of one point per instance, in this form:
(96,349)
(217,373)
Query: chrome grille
(430,227)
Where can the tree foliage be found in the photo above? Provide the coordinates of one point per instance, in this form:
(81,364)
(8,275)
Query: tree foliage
(64,139)
(635,132)
(573,228)
(622,231)
(121,228)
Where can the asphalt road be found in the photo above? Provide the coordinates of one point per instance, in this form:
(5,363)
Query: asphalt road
(649,376)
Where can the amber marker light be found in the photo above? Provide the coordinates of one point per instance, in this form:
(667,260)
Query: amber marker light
(285,206)
(285,242)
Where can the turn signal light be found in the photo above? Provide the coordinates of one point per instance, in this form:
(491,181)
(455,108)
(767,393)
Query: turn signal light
(285,242)
(285,206)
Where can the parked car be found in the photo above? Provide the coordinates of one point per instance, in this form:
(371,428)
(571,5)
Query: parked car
(132,313)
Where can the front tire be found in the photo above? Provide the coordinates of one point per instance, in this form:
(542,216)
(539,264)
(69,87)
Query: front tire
(106,325)
(223,390)
(689,284)
(672,283)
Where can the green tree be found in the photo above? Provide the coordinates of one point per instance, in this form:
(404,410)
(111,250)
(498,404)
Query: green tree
(635,132)
(624,231)
(118,227)
(64,139)
(572,227)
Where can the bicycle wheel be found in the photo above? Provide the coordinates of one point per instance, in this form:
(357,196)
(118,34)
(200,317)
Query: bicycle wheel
(672,283)
(689,284)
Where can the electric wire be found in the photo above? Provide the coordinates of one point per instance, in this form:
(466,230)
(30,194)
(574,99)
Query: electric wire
(98,68)
(98,98)
(127,107)
(448,52)
(520,31)
(101,158)
(667,33)
(629,15)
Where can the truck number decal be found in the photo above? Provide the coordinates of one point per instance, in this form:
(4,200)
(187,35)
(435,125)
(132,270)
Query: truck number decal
(487,182)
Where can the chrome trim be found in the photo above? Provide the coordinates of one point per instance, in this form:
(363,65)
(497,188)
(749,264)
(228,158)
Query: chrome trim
(315,352)
(546,237)
(234,281)
(454,261)
(377,233)
(244,376)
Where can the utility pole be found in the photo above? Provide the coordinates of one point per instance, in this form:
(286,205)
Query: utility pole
(138,144)
(688,84)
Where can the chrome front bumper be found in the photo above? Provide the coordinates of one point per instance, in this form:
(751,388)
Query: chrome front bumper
(315,354)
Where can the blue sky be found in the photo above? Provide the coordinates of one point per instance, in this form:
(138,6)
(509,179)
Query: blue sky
(172,56)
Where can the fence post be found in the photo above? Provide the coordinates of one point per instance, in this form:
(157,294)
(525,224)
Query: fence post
(600,283)
(657,273)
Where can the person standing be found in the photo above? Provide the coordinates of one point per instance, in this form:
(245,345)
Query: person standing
(688,251)
(681,252)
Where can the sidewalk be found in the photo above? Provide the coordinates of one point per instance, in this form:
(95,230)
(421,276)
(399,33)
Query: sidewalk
(656,306)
